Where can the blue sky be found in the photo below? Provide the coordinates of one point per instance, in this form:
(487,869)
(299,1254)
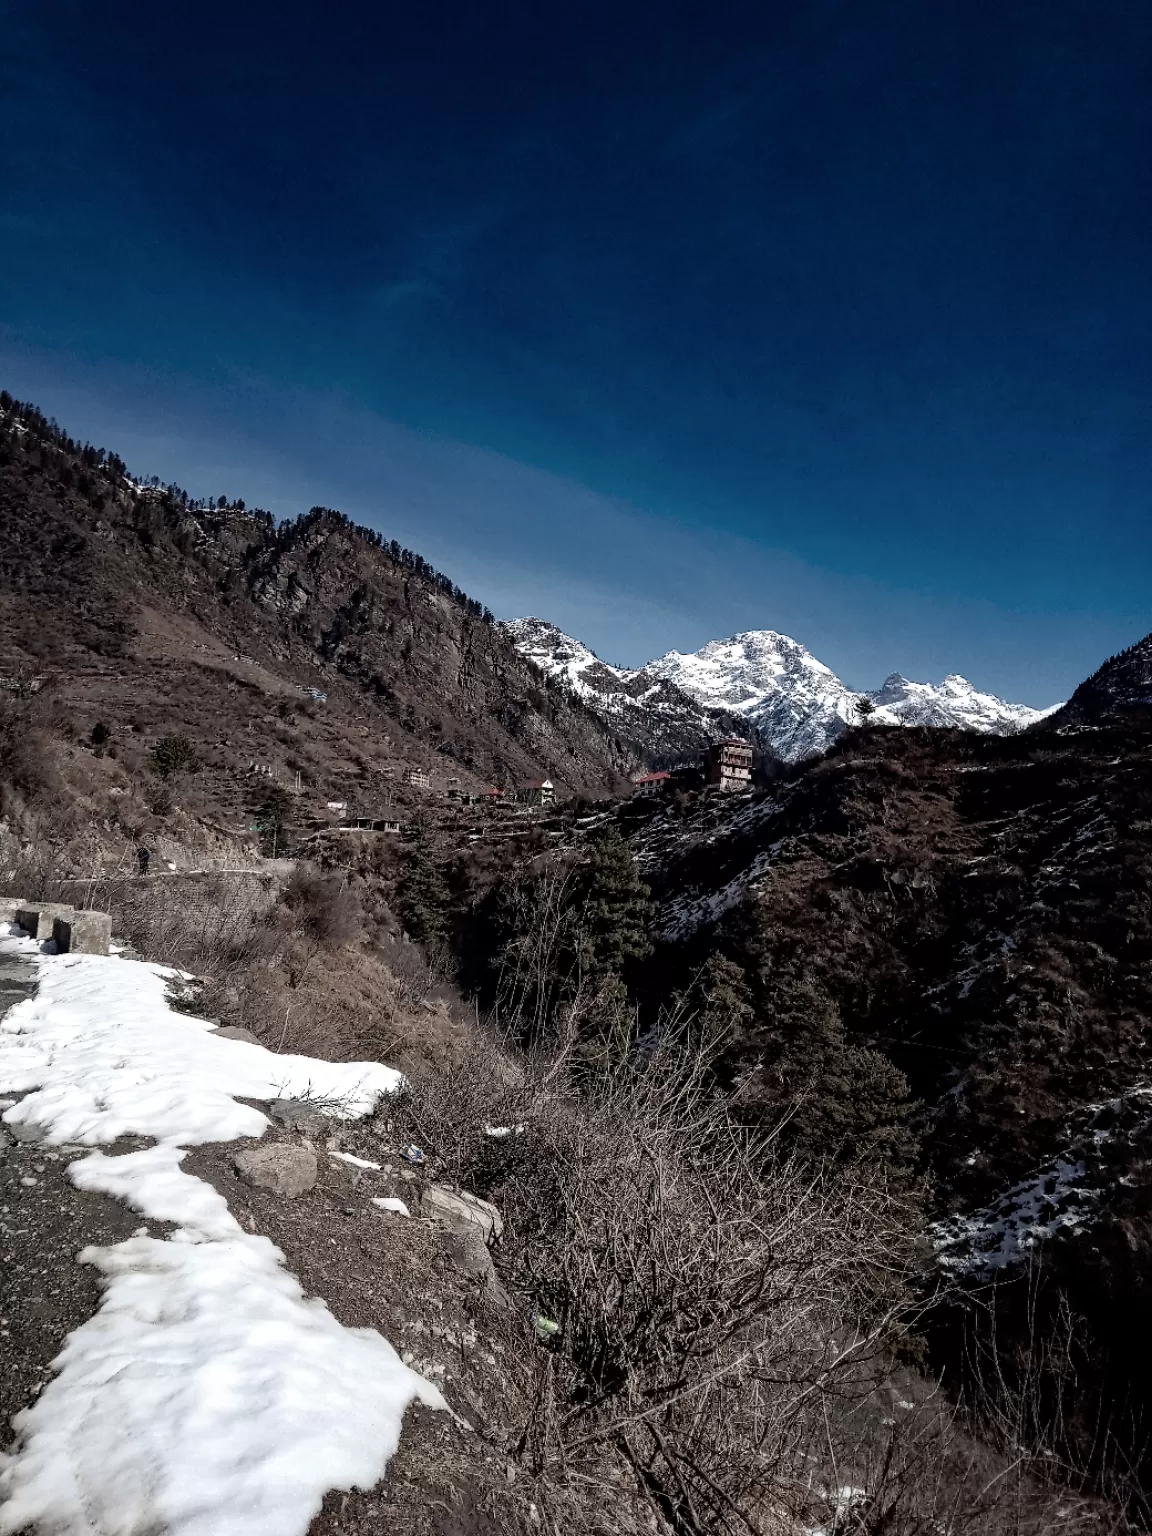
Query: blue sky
(658,321)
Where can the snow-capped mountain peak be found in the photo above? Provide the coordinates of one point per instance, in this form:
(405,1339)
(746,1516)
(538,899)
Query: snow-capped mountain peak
(739,672)
(790,700)
(556,653)
(954,702)
(665,723)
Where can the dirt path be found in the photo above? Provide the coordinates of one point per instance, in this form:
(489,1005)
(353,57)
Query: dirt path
(378,1270)
(372,1268)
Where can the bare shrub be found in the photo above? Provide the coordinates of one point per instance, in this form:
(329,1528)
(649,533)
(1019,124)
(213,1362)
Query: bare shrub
(930,1466)
(324,906)
(711,1301)
(37,861)
(730,1325)
(534,968)
(27,761)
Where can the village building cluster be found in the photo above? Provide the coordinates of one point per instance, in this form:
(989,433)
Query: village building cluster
(726,766)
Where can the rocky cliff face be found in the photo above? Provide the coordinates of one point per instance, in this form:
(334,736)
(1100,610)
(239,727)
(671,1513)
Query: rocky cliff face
(160,597)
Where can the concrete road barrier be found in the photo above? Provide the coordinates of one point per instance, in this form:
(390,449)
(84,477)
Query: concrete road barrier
(80,933)
(83,933)
(36,917)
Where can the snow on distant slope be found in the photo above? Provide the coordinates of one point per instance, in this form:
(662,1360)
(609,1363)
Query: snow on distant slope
(664,721)
(560,656)
(207,1394)
(800,706)
(743,671)
(953,702)
(797,704)
(794,703)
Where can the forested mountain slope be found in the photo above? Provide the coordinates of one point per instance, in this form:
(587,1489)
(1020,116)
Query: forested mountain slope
(1120,689)
(975,912)
(144,603)
(962,899)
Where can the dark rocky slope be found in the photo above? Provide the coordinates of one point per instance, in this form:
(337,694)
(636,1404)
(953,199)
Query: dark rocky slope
(1121,689)
(979,907)
(979,911)
(140,601)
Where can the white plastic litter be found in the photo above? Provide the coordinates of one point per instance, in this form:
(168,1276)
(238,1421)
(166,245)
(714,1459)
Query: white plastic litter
(391,1203)
(356,1162)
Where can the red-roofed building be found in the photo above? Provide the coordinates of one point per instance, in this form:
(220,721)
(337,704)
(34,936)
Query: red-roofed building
(651,783)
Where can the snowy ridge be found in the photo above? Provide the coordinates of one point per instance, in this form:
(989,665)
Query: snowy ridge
(954,702)
(651,711)
(207,1394)
(789,699)
(560,656)
(800,706)
(746,669)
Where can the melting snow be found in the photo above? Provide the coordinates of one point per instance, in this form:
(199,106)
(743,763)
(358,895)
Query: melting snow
(1014,1225)
(207,1393)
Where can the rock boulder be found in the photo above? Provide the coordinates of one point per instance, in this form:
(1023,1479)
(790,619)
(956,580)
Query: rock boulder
(462,1212)
(299,1115)
(283,1169)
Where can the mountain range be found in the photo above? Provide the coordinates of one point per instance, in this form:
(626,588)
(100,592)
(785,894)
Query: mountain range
(213,620)
(760,684)
(965,907)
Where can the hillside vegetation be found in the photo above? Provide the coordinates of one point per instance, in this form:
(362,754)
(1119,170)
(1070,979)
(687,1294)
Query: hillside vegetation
(816,1118)
(147,613)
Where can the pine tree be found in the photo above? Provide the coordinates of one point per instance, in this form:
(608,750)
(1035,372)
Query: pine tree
(612,906)
(719,1002)
(837,1100)
(274,818)
(422,896)
(173,755)
(864,708)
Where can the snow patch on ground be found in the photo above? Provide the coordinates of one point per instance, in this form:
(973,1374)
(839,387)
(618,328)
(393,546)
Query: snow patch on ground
(105,1056)
(1009,1230)
(688,913)
(207,1394)
(1063,1198)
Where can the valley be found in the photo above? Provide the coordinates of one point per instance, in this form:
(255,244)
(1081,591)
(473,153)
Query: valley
(867,1042)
